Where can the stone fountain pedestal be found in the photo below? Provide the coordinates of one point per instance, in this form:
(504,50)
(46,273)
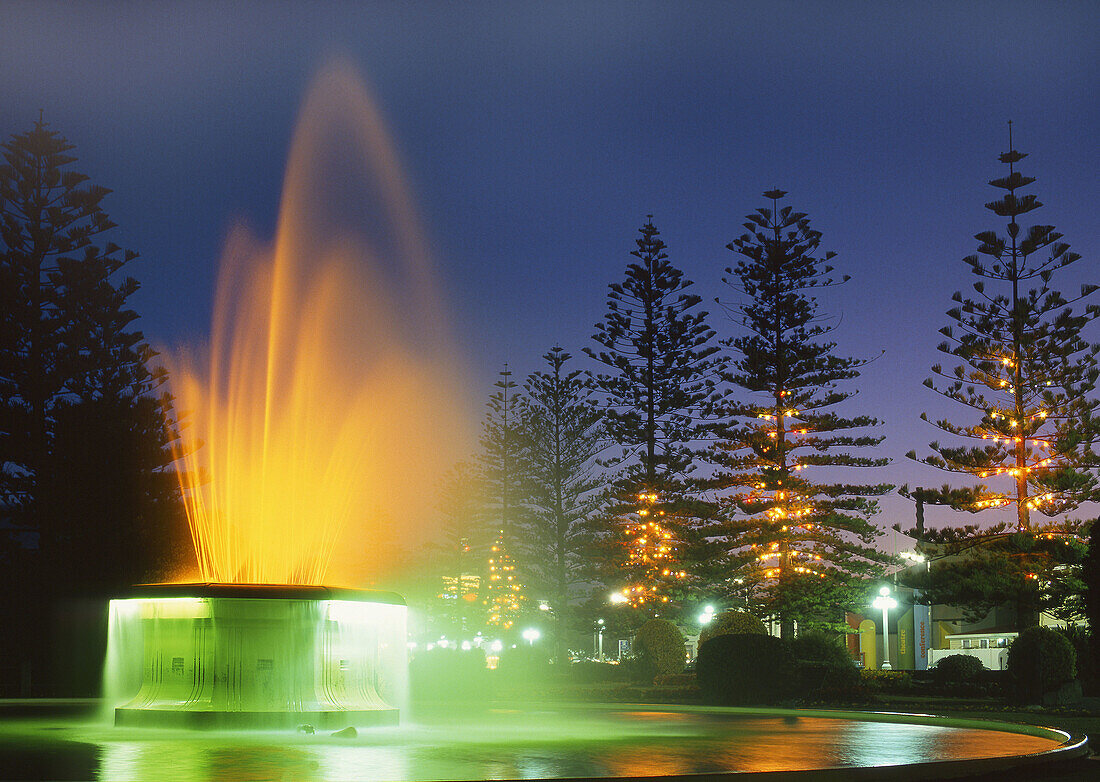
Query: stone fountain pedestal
(240,656)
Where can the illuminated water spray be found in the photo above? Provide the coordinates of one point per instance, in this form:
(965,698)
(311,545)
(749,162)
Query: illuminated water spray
(314,428)
(327,402)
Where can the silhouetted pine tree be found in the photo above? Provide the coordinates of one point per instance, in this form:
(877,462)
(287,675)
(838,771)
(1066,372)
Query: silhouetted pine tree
(658,402)
(563,438)
(83,440)
(805,547)
(1027,373)
(1091,577)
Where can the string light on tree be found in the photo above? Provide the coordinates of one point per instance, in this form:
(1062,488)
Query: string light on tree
(1024,368)
(801,543)
(504,592)
(651,561)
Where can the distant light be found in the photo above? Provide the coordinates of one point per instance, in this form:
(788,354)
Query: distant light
(544,606)
(443,643)
(496,646)
(429,647)
(412,644)
(531,634)
(619,597)
(466,646)
(708,609)
(599,621)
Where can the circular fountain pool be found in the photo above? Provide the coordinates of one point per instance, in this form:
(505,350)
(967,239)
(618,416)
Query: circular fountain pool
(529,742)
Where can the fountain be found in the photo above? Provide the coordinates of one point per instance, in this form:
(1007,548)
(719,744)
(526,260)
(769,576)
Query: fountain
(328,382)
(317,416)
(233,656)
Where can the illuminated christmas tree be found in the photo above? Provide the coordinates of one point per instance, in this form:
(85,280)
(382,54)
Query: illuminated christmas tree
(1025,369)
(651,562)
(657,399)
(504,596)
(805,547)
(1028,374)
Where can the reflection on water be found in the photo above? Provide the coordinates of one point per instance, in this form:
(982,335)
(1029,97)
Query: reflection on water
(526,744)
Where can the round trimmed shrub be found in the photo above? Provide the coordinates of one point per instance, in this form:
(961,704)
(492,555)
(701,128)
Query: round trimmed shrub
(660,645)
(732,623)
(744,669)
(1040,660)
(955,668)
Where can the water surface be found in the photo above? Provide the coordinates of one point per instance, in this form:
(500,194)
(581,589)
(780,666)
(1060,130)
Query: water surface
(492,744)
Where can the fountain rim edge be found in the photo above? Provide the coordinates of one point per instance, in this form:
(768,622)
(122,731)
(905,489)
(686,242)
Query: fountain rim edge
(212,589)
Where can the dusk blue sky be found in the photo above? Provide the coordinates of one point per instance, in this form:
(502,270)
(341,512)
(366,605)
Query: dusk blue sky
(536,137)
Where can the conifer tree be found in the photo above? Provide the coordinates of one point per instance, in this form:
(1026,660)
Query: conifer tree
(658,400)
(1090,575)
(84,436)
(1024,368)
(806,545)
(504,477)
(75,374)
(563,438)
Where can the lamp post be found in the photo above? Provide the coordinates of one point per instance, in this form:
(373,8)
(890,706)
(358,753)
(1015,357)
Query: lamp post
(885,602)
(599,625)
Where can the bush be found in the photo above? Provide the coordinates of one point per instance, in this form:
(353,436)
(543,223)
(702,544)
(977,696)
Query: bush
(590,672)
(660,645)
(1040,660)
(957,668)
(744,669)
(823,666)
(886,681)
(732,623)
(819,646)
(819,679)
(1078,638)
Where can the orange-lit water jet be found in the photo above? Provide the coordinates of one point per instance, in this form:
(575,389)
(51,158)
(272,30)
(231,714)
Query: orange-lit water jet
(330,398)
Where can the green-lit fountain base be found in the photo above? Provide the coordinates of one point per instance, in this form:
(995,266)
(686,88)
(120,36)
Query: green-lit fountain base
(256,656)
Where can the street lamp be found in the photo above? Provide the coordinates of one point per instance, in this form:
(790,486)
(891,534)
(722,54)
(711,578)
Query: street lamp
(885,602)
(599,624)
(707,615)
(531,635)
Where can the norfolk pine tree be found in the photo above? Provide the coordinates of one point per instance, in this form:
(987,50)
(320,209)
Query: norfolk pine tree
(564,437)
(1027,373)
(805,547)
(658,399)
(84,437)
(503,478)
